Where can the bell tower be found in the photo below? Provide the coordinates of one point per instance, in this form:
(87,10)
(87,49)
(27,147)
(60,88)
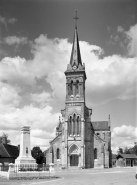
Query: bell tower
(79,142)
(76,116)
(75,73)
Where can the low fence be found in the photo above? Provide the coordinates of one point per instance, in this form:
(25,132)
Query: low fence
(4,168)
(30,168)
(15,171)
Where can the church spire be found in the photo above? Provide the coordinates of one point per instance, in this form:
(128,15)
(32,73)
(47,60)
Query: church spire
(75,59)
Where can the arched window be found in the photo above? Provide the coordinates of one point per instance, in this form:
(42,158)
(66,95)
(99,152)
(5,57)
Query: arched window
(70,125)
(78,126)
(58,153)
(52,156)
(71,88)
(74,124)
(77,87)
(95,153)
(73,149)
(68,85)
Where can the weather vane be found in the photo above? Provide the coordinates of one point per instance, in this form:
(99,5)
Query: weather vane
(76,18)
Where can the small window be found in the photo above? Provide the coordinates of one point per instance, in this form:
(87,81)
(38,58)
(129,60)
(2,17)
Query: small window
(77,87)
(95,153)
(58,153)
(71,88)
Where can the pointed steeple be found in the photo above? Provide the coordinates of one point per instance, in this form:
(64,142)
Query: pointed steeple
(75,59)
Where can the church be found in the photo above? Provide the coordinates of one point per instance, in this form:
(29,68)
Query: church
(79,141)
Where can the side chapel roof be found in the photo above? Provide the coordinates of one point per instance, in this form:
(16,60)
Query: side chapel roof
(100,125)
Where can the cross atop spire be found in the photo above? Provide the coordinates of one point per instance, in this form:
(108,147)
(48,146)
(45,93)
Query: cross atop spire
(76,18)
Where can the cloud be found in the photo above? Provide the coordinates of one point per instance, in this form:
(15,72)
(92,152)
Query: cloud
(16,71)
(120,29)
(41,118)
(3,21)
(6,21)
(129,39)
(9,95)
(108,78)
(11,40)
(41,121)
(52,55)
(41,98)
(2,53)
(123,136)
(12,20)
(111,78)
(42,134)
(126,39)
(42,143)
(132,36)
(114,39)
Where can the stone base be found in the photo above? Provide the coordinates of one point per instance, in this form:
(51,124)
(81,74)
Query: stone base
(29,175)
(25,160)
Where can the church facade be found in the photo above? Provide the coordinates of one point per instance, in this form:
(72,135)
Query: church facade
(79,141)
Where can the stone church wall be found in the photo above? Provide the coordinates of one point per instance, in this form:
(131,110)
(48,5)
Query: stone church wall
(51,153)
(98,145)
(89,145)
(103,148)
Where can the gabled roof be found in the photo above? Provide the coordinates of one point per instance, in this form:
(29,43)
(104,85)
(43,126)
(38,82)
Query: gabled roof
(127,156)
(56,138)
(100,125)
(7,150)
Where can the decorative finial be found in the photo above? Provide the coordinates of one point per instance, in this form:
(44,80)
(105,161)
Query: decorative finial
(76,18)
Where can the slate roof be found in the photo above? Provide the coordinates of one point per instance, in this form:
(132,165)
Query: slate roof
(127,156)
(100,125)
(55,138)
(7,150)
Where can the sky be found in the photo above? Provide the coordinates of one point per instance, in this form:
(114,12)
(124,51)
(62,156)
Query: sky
(35,46)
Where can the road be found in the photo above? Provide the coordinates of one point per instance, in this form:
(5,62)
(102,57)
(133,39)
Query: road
(115,176)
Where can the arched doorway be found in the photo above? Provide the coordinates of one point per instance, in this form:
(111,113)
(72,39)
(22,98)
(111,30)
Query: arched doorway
(74,155)
(74,160)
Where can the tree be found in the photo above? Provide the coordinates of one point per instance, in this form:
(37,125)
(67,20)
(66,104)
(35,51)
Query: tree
(37,154)
(127,150)
(120,150)
(133,150)
(4,139)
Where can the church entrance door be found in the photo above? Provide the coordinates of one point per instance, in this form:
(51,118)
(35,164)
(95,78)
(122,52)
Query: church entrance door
(74,160)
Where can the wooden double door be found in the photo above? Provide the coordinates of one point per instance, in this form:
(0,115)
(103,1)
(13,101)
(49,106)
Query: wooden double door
(74,159)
